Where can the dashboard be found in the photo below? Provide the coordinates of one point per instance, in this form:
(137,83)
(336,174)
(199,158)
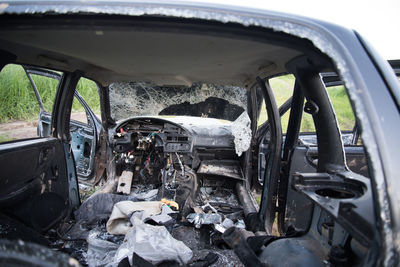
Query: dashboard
(132,134)
(173,134)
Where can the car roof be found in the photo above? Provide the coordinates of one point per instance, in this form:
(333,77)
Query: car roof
(148,41)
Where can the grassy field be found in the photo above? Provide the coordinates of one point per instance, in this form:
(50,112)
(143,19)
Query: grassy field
(18,101)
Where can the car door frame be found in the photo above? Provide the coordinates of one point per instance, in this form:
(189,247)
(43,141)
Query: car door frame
(94,123)
(272,160)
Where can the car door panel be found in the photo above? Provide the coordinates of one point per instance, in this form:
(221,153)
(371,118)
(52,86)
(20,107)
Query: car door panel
(355,158)
(299,209)
(34,182)
(83,143)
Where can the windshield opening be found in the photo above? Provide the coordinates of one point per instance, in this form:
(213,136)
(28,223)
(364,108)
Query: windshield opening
(129,99)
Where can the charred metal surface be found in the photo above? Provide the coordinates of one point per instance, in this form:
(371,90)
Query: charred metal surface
(26,183)
(184,134)
(101,158)
(14,230)
(357,161)
(222,168)
(346,196)
(245,199)
(237,239)
(273,162)
(292,135)
(298,209)
(28,254)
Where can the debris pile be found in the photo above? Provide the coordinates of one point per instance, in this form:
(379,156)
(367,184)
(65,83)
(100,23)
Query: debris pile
(111,228)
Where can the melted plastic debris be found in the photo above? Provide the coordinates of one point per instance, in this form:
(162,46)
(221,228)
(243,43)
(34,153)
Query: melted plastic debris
(105,249)
(227,169)
(191,236)
(241,131)
(98,207)
(100,252)
(146,195)
(219,195)
(77,250)
(128,99)
(217,207)
(154,244)
(199,219)
(118,223)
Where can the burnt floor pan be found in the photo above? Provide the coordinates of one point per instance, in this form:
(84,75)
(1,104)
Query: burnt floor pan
(200,207)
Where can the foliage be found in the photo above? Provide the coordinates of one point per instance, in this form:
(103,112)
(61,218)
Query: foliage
(18,100)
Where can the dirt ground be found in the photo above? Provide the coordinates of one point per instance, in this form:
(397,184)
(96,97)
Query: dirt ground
(27,129)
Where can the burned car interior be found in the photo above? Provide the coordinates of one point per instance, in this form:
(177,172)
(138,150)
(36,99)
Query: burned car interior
(182,173)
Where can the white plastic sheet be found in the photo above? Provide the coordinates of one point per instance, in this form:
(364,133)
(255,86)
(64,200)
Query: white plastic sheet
(119,224)
(153,243)
(100,252)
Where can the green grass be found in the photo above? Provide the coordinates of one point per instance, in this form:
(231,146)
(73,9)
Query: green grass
(18,100)
(342,106)
(16,95)
(88,90)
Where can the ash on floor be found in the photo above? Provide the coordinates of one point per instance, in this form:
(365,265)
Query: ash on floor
(203,241)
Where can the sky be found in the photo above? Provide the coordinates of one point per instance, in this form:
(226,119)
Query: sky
(377,21)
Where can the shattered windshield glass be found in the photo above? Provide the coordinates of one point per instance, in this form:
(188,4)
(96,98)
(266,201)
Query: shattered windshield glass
(129,99)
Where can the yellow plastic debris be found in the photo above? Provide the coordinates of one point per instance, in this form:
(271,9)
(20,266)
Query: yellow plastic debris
(170,203)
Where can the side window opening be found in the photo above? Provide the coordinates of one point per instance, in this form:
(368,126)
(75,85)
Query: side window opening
(354,152)
(20,115)
(19,107)
(282,87)
(87,89)
(78,112)
(262,116)
(342,107)
(307,124)
(341,104)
